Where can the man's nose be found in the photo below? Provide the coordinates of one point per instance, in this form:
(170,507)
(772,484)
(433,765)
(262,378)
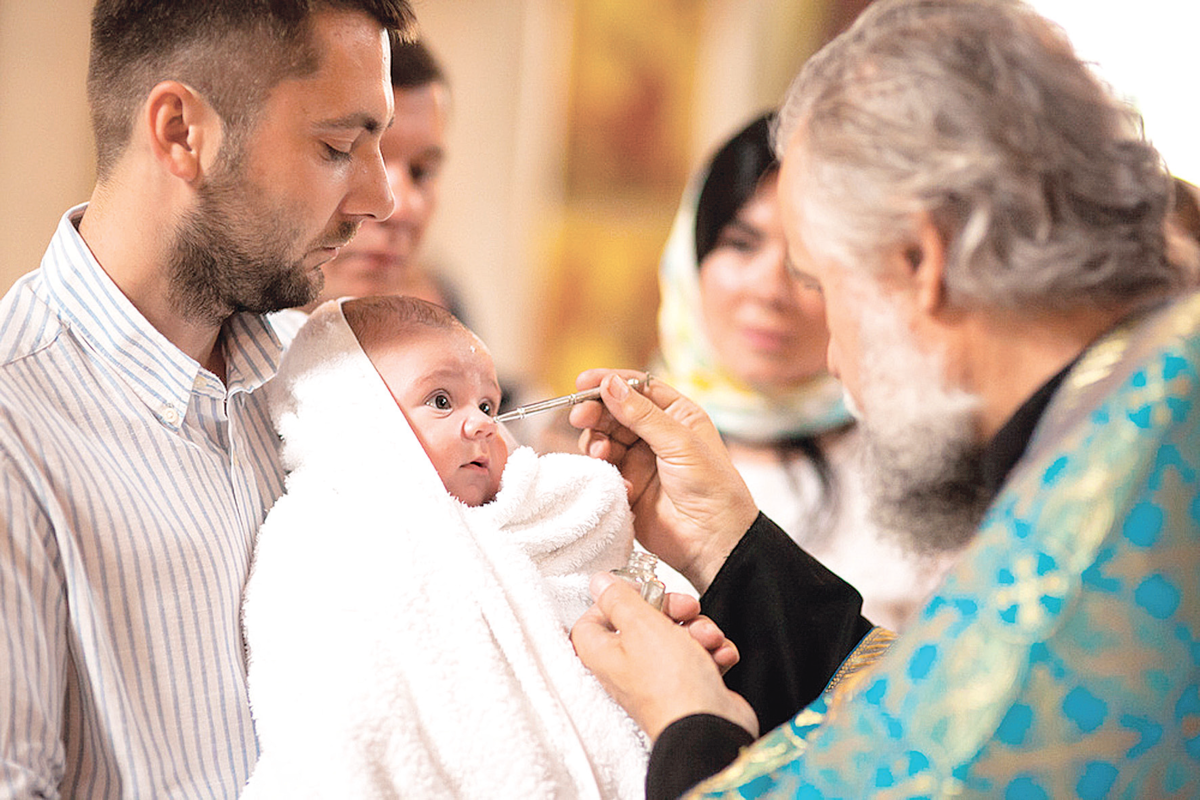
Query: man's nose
(370,194)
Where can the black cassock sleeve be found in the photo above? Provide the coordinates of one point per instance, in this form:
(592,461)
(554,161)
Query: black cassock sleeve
(793,621)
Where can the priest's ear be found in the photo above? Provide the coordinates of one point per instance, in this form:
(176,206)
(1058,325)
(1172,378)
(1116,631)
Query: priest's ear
(925,261)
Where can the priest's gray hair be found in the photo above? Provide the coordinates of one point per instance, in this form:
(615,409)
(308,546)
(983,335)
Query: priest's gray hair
(980,115)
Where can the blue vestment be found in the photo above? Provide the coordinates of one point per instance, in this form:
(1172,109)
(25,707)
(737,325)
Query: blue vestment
(1061,657)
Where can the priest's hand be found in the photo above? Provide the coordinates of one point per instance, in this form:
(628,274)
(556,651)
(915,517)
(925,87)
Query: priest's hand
(651,665)
(690,504)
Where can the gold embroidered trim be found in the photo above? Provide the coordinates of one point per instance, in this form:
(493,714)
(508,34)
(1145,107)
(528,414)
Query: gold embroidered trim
(869,650)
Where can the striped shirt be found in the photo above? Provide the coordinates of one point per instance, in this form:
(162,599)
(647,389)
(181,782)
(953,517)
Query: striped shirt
(134,482)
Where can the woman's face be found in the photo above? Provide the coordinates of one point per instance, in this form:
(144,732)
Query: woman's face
(768,330)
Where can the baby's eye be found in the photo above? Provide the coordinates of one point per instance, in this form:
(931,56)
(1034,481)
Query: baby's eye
(440,401)
(488,407)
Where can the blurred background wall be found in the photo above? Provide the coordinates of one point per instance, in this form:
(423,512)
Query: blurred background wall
(576,124)
(575,128)
(47,162)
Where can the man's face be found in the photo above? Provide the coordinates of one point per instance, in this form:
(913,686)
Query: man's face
(445,383)
(381,260)
(277,207)
(922,454)
(921,451)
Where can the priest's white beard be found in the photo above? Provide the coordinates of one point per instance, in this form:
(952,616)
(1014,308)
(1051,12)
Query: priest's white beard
(920,451)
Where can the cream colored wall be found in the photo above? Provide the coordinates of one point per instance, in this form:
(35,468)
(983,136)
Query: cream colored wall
(46,156)
(505,60)
(508,64)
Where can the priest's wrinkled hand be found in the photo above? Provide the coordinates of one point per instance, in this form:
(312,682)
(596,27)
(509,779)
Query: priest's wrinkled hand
(650,664)
(690,504)
(685,610)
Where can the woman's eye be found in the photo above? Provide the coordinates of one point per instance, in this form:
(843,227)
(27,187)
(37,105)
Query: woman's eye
(738,243)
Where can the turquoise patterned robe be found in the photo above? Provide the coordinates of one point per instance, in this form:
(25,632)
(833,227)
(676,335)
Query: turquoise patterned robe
(1061,657)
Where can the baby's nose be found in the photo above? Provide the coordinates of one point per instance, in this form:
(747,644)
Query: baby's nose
(480,423)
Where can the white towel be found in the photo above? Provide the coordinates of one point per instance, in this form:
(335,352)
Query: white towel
(402,644)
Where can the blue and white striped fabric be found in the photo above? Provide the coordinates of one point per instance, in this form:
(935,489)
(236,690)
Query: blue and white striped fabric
(133,485)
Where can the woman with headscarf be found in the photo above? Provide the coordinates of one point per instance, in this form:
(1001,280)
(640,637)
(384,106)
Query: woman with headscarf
(740,335)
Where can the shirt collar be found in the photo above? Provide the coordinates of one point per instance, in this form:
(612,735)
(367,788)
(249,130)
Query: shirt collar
(252,351)
(157,371)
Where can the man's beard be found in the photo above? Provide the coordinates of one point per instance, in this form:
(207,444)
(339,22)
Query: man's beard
(921,455)
(237,251)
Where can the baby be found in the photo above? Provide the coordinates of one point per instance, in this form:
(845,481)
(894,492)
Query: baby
(443,378)
(407,607)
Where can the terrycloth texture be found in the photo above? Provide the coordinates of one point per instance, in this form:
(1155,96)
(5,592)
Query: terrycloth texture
(404,645)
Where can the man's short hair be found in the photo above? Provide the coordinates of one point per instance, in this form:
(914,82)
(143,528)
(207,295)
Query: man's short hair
(979,114)
(231,51)
(413,66)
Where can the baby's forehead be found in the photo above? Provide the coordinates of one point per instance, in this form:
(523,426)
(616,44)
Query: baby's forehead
(468,339)
(407,333)
(450,351)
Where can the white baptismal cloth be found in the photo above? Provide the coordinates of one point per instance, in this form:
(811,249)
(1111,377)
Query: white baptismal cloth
(402,644)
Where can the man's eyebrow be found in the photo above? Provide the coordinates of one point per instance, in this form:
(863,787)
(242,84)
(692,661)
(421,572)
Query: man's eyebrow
(355,121)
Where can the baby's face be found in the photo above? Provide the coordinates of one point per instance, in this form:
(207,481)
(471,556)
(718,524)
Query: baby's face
(445,383)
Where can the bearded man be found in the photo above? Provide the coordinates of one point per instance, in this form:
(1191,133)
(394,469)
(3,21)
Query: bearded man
(987,226)
(384,257)
(238,149)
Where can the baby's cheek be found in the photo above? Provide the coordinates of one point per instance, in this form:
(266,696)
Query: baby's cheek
(501,454)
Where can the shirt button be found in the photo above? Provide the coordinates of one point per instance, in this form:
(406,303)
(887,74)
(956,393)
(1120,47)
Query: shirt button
(170,415)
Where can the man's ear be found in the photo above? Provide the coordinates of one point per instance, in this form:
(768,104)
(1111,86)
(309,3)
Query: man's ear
(182,127)
(926,258)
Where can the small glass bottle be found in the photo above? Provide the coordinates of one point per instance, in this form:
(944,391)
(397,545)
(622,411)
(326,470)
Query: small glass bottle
(640,572)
